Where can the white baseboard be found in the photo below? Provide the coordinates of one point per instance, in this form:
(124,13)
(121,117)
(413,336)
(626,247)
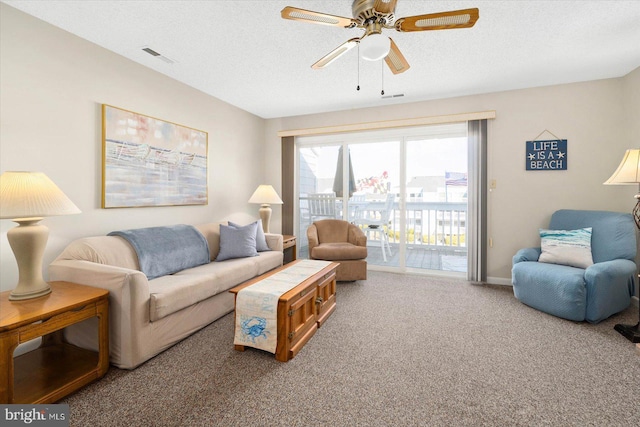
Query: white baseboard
(499,281)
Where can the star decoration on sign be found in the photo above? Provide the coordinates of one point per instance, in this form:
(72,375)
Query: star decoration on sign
(531,156)
(561,155)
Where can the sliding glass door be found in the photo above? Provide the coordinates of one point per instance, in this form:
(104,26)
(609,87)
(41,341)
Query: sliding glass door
(407,191)
(436,203)
(374,205)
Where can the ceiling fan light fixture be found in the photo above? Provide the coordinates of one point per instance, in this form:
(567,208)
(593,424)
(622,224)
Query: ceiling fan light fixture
(374,47)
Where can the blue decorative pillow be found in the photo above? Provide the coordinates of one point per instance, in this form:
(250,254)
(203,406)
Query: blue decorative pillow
(261,240)
(237,242)
(567,247)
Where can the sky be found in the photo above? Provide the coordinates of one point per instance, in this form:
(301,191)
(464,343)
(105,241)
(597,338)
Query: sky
(429,157)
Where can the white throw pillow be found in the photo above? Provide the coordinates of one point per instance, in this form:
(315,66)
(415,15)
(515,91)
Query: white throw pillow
(566,247)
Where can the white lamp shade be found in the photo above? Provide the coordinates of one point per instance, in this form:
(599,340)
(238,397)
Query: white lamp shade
(32,195)
(265,195)
(374,47)
(629,170)
(26,197)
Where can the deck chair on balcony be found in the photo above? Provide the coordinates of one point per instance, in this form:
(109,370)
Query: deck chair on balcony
(375,222)
(322,205)
(357,204)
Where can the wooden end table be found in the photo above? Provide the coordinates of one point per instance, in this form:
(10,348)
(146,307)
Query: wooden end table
(56,368)
(289,241)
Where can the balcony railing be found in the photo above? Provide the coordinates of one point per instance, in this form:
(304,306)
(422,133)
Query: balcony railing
(428,225)
(431,224)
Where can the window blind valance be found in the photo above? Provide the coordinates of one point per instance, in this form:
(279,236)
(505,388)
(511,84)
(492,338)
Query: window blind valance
(388,124)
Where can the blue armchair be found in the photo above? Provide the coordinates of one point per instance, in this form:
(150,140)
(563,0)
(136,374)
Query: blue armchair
(590,294)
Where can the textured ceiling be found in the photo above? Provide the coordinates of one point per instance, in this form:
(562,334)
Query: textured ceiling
(244,53)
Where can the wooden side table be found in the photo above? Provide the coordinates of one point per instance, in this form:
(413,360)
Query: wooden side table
(289,241)
(56,368)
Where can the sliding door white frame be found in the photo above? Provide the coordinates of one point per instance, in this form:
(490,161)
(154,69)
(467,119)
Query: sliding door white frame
(402,136)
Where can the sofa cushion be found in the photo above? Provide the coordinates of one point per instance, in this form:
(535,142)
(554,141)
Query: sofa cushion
(169,294)
(211,232)
(237,242)
(338,251)
(261,240)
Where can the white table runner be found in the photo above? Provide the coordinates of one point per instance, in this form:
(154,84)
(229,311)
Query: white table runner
(257,305)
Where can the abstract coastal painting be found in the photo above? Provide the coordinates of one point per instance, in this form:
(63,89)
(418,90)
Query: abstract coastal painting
(151,162)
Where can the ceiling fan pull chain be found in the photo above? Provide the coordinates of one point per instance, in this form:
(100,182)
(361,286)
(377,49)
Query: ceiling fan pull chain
(382,79)
(358,88)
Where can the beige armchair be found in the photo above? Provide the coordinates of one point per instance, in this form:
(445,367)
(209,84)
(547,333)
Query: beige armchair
(342,242)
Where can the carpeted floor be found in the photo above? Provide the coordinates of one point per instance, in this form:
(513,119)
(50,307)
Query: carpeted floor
(398,351)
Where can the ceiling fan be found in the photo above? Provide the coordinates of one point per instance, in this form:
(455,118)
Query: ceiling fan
(373,16)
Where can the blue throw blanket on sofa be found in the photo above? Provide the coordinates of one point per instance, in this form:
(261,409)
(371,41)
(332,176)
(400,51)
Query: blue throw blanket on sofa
(167,250)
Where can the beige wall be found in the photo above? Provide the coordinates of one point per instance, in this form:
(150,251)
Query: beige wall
(631,97)
(599,119)
(51,86)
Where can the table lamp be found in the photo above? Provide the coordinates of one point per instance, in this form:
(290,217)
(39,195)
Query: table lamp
(265,195)
(25,198)
(629,173)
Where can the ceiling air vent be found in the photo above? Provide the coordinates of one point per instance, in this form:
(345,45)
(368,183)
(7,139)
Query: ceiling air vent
(397,95)
(151,51)
(158,55)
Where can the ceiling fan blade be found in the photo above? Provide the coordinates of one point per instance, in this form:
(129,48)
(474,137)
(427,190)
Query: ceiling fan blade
(395,59)
(385,6)
(311,17)
(439,21)
(336,53)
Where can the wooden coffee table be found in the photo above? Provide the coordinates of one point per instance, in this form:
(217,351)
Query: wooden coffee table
(301,310)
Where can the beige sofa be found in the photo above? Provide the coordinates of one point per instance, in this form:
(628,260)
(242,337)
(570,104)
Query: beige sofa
(148,316)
